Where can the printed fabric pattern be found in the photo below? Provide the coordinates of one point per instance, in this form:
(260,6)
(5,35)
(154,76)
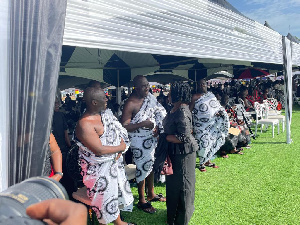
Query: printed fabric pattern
(143,143)
(104,177)
(211,125)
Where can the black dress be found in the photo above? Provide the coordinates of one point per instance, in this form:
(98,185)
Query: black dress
(180,187)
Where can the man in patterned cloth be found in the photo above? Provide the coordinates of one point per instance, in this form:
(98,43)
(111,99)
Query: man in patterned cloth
(210,123)
(101,139)
(142,117)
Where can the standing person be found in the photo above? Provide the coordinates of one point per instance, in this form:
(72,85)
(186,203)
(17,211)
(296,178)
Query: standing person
(180,186)
(60,129)
(210,122)
(142,117)
(60,132)
(68,98)
(55,159)
(100,138)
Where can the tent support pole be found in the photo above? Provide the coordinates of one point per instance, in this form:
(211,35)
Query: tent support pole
(287,65)
(118,89)
(196,81)
(5,48)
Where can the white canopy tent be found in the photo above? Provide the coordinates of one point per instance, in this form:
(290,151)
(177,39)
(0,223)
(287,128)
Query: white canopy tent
(200,29)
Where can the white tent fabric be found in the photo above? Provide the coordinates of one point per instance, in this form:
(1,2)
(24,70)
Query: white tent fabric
(175,27)
(296,54)
(287,61)
(4,38)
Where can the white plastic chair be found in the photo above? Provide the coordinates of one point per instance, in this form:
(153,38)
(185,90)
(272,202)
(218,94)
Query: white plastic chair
(260,119)
(272,104)
(269,115)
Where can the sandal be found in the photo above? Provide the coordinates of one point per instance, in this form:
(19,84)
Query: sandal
(212,165)
(225,156)
(202,168)
(237,152)
(158,198)
(146,207)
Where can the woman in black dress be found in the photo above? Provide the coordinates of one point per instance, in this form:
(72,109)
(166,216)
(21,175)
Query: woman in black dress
(180,187)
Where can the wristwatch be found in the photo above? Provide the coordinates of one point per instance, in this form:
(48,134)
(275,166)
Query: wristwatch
(60,173)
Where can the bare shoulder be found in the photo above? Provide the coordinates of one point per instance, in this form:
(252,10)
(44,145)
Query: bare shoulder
(195,97)
(87,122)
(130,100)
(132,103)
(83,120)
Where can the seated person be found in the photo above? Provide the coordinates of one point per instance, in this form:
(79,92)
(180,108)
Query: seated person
(244,101)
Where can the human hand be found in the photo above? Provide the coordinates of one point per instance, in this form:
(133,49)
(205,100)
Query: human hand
(118,156)
(122,145)
(58,212)
(156,131)
(148,124)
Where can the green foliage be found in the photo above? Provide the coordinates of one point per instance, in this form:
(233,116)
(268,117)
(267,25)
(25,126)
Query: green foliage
(259,187)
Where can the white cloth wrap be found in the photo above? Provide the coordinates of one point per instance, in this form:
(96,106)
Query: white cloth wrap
(210,129)
(104,177)
(143,143)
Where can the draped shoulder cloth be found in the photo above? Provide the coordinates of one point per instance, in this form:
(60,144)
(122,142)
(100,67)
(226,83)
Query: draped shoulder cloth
(143,143)
(211,124)
(104,177)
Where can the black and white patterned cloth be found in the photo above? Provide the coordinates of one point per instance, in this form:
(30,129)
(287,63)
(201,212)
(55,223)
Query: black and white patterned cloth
(104,177)
(143,143)
(210,124)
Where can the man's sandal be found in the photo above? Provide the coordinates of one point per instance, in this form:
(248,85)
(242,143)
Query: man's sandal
(158,198)
(146,207)
(212,165)
(202,168)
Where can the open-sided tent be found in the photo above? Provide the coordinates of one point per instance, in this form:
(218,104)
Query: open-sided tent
(198,29)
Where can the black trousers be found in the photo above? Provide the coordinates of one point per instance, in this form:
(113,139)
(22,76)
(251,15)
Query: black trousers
(180,189)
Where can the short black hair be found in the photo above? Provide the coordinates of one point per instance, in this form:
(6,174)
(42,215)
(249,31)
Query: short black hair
(94,83)
(91,93)
(137,79)
(181,91)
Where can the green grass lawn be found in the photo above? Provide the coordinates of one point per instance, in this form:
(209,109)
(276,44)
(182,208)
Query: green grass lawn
(259,187)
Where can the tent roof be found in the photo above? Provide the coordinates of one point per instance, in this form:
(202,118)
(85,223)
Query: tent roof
(146,36)
(171,27)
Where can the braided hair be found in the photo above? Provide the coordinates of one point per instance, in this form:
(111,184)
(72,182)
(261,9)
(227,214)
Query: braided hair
(181,92)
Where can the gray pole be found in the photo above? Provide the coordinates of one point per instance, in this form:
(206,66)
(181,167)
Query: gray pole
(287,64)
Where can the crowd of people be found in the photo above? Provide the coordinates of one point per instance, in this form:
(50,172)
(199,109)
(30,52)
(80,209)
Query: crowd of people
(190,121)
